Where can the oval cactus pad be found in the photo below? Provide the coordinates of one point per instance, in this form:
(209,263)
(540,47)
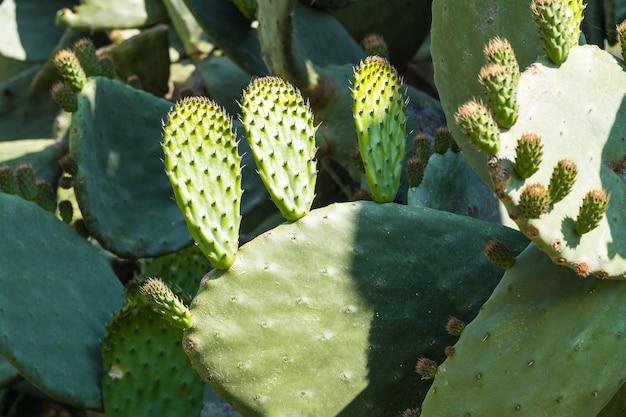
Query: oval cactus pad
(302,323)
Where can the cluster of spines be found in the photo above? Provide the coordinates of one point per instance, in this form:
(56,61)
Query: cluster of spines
(499,254)
(558,24)
(379,113)
(204,168)
(280,130)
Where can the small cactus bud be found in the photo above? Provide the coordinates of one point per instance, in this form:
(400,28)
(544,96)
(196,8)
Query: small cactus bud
(477,123)
(134,81)
(421,147)
(165,303)
(86,54)
(66,211)
(534,201)
(562,179)
(415,169)
(528,153)
(27,181)
(8,181)
(501,92)
(374,44)
(64,96)
(443,140)
(68,164)
(449,351)
(107,67)
(500,52)
(426,368)
(45,196)
(591,211)
(499,254)
(558,24)
(69,69)
(455,326)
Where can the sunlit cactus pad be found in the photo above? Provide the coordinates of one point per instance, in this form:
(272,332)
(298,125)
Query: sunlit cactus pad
(309,334)
(577,110)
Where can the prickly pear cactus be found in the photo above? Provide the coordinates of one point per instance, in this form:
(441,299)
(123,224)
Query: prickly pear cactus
(559,170)
(146,371)
(279,128)
(67,282)
(120,183)
(203,164)
(537,348)
(457,64)
(276,334)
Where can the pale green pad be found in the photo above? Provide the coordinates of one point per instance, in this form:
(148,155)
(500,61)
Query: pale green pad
(591,133)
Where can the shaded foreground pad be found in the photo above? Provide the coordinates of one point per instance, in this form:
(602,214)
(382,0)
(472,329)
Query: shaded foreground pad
(58,293)
(328,315)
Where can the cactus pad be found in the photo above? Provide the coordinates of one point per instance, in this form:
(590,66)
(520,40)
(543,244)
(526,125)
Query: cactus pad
(575,138)
(380,116)
(67,282)
(146,371)
(280,335)
(122,190)
(539,347)
(279,128)
(203,164)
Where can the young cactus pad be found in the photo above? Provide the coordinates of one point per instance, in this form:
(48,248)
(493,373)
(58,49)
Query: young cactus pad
(203,164)
(380,116)
(589,134)
(538,347)
(308,334)
(279,128)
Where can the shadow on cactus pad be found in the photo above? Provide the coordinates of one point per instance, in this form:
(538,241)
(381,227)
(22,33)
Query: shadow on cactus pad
(336,327)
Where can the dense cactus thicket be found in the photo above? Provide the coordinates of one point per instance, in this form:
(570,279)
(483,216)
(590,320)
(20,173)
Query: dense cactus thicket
(335,208)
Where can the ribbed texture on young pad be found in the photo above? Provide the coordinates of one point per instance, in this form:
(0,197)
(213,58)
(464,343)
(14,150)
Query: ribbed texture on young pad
(558,24)
(499,51)
(380,116)
(534,201)
(279,128)
(477,123)
(203,165)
